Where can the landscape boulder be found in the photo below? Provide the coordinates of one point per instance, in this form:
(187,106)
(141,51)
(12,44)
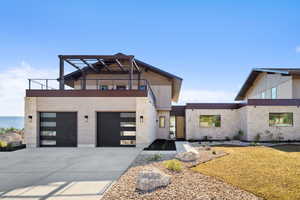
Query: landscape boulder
(187,156)
(152,178)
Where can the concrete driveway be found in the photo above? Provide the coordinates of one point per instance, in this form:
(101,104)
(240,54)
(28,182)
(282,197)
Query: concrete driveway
(61,173)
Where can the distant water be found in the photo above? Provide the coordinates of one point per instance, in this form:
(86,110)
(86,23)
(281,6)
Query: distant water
(15,122)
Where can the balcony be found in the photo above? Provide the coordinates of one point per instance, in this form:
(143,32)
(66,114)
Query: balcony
(90,88)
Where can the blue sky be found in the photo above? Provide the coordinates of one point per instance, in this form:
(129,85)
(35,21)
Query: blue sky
(212,45)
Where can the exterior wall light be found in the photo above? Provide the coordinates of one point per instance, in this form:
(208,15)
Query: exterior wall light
(86,117)
(30,118)
(141,118)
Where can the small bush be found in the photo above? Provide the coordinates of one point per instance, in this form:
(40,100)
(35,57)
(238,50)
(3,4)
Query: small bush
(227,138)
(257,137)
(155,157)
(239,135)
(173,165)
(3,144)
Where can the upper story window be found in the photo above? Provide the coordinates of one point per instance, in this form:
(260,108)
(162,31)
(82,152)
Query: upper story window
(142,87)
(103,87)
(263,95)
(162,122)
(281,119)
(208,121)
(121,87)
(274,93)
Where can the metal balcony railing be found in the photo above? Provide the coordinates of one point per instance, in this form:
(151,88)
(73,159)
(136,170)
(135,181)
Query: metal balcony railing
(94,84)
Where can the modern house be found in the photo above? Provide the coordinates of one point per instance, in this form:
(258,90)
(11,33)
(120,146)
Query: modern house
(118,100)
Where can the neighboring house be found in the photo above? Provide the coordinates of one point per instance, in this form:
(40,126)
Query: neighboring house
(117,100)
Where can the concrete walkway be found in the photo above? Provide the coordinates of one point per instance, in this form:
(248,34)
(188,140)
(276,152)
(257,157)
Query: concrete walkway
(61,173)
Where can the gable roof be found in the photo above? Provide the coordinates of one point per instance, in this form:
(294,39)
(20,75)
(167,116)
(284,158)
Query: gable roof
(256,71)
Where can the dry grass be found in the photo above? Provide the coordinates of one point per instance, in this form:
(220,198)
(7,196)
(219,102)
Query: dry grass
(271,173)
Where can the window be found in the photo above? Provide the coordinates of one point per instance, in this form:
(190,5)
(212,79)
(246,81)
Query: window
(280,119)
(127,115)
(208,121)
(127,133)
(263,95)
(103,87)
(127,142)
(121,87)
(162,120)
(48,115)
(48,133)
(48,142)
(142,87)
(48,124)
(274,93)
(127,124)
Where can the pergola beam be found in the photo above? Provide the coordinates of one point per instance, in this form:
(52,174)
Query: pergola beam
(69,62)
(89,65)
(104,64)
(136,66)
(120,65)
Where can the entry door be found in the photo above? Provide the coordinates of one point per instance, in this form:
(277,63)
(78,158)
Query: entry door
(58,129)
(116,129)
(179,127)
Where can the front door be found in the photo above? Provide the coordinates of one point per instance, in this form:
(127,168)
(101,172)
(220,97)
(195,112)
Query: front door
(179,127)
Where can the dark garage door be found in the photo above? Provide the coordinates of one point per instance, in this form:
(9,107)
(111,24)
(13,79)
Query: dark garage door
(116,129)
(58,129)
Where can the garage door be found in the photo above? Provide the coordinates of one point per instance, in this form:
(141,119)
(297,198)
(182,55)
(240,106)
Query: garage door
(116,129)
(58,129)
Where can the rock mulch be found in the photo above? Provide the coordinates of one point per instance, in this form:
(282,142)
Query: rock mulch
(185,185)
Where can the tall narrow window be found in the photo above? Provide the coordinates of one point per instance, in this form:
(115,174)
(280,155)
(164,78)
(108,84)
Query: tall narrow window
(263,95)
(162,121)
(274,93)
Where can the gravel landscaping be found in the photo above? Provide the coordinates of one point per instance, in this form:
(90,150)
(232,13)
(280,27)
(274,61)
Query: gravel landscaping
(186,184)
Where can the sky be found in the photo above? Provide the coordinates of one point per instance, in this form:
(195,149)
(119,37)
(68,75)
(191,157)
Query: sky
(212,45)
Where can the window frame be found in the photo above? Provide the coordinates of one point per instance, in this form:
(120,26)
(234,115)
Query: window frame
(276,92)
(219,117)
(281,113)
(164,122)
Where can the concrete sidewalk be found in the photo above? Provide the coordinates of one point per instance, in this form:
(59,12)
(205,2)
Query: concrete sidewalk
(62,173)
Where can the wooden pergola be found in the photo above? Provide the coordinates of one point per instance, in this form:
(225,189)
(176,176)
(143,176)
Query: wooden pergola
(99,64)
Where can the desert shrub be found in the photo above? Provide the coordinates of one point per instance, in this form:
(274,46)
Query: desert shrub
(239,135)
(257,137)
(254,144)
(3,144)
(174,165)
(154,157)
(227,138)
(205,137)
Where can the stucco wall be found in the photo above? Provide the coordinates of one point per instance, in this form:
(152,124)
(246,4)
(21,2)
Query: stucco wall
(258,123)
(230,123)
(89,106)
(163,133)
(146,128)
(265,82)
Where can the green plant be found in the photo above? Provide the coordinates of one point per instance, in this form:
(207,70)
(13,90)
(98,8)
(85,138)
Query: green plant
(174,165)
(257,137)
(205,138)
(239,135)
(254,144)
(3,144)
(155,157)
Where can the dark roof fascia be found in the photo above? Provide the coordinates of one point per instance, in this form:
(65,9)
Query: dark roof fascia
(178,111)
(273,102)
(214,105)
